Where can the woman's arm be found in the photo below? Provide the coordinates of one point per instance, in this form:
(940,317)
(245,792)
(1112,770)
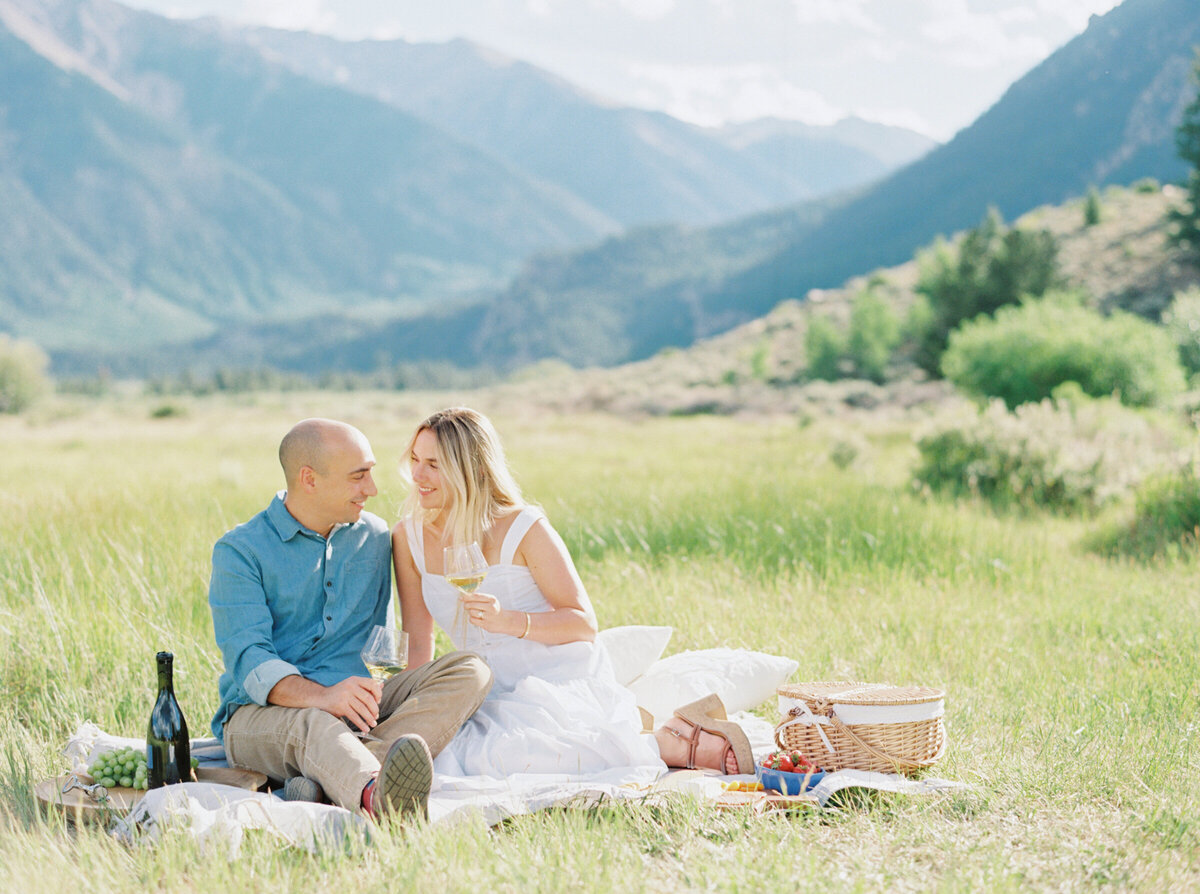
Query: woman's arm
(414,615)
(570,621)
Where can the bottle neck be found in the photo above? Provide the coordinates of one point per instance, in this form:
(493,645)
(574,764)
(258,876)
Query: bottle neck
(165,672)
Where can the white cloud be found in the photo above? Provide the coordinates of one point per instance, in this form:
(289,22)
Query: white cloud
(292,15)
(836,12)
(980,40)
(711,95)
(648,10)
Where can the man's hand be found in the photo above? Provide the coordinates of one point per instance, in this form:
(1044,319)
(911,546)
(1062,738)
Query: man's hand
(354,698)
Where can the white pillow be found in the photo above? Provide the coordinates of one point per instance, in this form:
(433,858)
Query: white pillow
(633,649)
(741,678)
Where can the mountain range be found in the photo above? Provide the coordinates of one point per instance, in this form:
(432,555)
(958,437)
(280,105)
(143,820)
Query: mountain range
(198,195)
(1101,110)
(165,184)
(636,166)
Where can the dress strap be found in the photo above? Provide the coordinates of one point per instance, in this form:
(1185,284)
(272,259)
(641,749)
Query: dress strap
(416,542)
(525,520)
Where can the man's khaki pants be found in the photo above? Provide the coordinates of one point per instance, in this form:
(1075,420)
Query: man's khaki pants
(433,701)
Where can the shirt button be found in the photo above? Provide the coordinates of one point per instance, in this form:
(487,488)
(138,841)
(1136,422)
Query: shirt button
(329,617)
(329,583)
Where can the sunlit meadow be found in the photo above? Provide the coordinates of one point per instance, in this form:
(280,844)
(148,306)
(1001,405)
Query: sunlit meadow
(1071,678)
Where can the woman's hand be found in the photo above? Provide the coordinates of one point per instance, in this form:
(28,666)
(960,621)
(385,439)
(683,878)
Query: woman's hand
(484,611)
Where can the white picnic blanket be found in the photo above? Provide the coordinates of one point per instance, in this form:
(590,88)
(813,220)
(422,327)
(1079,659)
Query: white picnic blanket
(219,815)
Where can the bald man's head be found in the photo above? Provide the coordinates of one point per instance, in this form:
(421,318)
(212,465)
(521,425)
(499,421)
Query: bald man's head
(310,442)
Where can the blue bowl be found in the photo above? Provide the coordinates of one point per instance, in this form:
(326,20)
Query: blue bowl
(787,783)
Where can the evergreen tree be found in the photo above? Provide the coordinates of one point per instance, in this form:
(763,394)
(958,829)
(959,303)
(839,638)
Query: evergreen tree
(992,267)
(1187,143)
(1092,207)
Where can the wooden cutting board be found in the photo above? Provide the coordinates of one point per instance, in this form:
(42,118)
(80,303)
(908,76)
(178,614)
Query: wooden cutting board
(78,805)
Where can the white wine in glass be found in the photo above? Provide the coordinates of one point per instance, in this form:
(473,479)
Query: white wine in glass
(464,567)
(386,652)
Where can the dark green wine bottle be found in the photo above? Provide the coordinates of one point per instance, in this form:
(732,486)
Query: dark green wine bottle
(168,748)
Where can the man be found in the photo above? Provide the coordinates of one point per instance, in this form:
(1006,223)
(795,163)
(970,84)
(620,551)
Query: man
(294,593)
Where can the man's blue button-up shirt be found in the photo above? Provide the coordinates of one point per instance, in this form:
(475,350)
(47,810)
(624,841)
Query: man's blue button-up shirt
(286,600)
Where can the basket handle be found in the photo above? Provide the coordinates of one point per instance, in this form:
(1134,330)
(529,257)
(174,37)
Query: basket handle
(884,756)
(807,719)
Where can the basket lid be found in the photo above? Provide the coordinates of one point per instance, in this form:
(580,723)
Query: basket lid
(861,693)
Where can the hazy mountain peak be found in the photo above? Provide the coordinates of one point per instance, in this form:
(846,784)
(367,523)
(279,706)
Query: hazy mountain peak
(46,43)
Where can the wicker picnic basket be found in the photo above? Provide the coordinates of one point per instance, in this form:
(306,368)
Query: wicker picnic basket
(862,726)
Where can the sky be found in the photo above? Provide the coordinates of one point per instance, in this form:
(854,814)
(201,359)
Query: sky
(930,65)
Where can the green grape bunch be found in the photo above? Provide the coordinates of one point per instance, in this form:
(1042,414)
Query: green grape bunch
(125,767)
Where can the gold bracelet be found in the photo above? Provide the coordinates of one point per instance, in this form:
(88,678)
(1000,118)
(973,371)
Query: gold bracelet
(528,619)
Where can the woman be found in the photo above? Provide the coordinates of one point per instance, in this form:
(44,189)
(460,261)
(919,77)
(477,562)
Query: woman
(555,706)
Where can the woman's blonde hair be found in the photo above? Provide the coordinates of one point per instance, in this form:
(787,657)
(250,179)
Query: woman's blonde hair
(473,469)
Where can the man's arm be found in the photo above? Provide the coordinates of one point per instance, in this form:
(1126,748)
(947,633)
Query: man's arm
(242,622)
(355,698)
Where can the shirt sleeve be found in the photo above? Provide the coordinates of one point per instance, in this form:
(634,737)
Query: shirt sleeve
(242,623)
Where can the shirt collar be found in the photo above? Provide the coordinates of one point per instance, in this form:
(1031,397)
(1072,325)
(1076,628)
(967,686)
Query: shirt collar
(285,523)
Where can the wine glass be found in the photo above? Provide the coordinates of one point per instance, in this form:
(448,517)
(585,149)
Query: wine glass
(464,567)
(386,652)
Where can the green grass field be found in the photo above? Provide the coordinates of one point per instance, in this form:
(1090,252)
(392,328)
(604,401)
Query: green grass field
(1071,678)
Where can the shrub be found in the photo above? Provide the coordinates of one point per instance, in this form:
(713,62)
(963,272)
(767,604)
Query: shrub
(990,268)
(1166,517)
(1026,352)
(1068,453)
(1092,207)
(824,347)
(760,361)
(843,453)
(874,333)
(23,376)
(1182,319)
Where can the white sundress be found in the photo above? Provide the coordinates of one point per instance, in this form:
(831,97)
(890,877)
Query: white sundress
(552,709)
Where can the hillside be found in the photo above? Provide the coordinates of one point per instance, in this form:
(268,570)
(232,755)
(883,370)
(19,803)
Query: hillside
(1125,261)
(631,294)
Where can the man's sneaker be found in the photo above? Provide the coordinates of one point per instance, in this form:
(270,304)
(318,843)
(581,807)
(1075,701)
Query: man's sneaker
(301,788)
(402,788)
